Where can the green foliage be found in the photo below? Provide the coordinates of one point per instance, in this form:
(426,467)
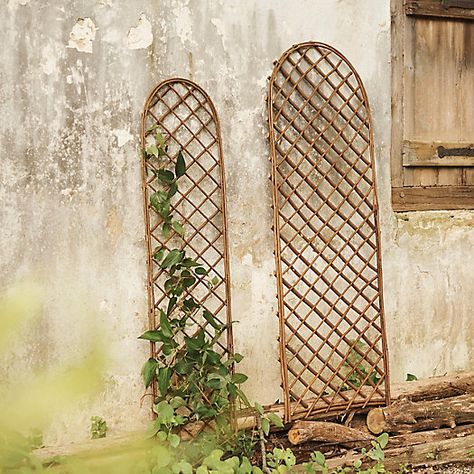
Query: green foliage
(267,419)
(433,456)
(371,462)
(359,368)
(281,460)
(317,463)
(411,378)
(167,178)
(194,381)
(30,402)
(98,427)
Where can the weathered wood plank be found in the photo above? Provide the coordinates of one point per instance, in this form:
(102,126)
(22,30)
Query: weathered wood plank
(398,26)
(437,154)
(454,9)
(432,198)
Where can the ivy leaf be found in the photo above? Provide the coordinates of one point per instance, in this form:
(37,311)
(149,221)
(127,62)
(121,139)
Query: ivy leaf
(383,440)
(265,426)
(159,138)
(178,228)
(239,378)
(172,190)
(215,384)
(154,336)
(209,317)
(152,150)
(165,325)
(166,230)
(164,377)
(166,176)
(411,378)
(238,357)
(158,199)
(187,282)
(158,255)
(215,281)
(174,257)
(243,397)
(200,271)
(167,349)
(259,408)
(180,168)
(190,304)
(164,411)
(149,371)
(275,420)
(174,440)
(192,344)
(171,305)
(170,285)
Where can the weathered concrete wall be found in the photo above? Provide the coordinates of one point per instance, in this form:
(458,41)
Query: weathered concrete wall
(70,98)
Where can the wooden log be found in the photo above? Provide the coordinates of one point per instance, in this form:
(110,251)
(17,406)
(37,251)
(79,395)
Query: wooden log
(303,431)
(436,387)
(405,416)
(431,448)
(438,453)
(427,389)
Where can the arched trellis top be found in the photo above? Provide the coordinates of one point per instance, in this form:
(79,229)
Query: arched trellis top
(187,120)
(333,351)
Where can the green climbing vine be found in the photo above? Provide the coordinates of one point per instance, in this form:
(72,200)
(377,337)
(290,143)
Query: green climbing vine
(195,382)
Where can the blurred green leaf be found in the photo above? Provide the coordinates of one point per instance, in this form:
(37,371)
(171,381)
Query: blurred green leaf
(149,371)
(180,168)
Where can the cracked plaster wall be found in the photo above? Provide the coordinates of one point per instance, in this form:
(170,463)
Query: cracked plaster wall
(74,78)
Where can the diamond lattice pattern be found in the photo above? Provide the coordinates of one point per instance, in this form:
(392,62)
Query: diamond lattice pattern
(326,232)
(187,120)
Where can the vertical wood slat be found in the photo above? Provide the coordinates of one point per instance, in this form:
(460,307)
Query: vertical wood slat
(327,244)
(188,121)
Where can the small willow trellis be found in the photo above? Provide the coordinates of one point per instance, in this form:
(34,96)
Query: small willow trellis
(333,352)
(187,120)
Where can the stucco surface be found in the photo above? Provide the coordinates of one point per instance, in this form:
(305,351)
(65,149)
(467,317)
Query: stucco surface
(70,98)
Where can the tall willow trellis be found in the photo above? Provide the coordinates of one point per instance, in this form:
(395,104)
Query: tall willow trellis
(333,351)
(187,119)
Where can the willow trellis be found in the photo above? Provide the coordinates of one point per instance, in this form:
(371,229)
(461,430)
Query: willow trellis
(333,351)
(187,119)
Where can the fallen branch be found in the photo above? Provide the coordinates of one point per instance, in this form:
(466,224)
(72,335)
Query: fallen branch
(405,416)
(303,431)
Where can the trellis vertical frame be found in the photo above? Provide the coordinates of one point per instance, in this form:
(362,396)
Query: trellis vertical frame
(276,224)
(194,90)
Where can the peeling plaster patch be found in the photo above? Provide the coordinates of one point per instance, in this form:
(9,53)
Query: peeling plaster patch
(82,35)
(123,136)
(140,36)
